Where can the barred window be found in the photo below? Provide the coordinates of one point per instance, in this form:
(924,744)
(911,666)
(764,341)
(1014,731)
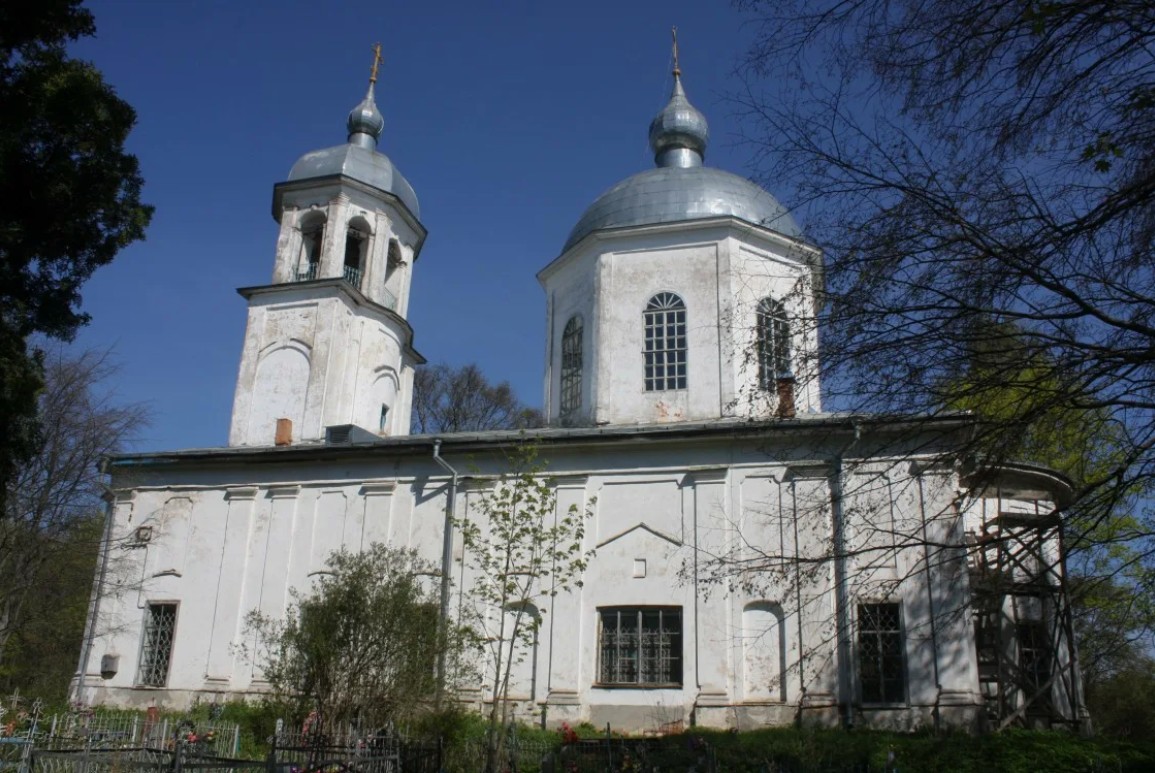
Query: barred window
(571,366)
(773,328)
(880,661)
(156,645)
(665,320)
(641,646)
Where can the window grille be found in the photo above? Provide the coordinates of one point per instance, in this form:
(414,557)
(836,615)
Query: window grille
(641,646)
(571,366)
(665,354)
(156,646)
(773,329)
(880,662)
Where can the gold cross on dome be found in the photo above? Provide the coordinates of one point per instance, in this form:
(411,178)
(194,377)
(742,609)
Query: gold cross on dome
(674,32)
(376,61)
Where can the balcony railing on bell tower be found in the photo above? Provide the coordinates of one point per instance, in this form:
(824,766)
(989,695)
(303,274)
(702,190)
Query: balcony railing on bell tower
(309,272)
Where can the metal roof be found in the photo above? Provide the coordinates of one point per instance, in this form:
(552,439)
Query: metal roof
(675,194)
(362,164)
(719,429)
(680,188)
(359,159)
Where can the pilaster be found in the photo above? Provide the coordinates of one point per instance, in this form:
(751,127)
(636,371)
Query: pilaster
(288,247)
(220,659)
(711,628)
(332,250)
(563,651)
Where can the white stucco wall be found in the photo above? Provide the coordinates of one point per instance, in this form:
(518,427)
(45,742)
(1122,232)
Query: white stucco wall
(315,355)
(720,270)
(229,537)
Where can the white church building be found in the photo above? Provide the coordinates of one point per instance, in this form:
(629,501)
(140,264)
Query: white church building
(759,561)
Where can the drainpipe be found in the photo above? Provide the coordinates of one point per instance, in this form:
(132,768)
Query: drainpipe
(841,602)
(446,564)
(798,601)
(97,593)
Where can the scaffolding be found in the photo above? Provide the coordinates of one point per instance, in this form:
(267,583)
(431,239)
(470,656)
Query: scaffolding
(1024,636)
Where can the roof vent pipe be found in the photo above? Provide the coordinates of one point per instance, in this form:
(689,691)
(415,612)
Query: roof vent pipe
(284,435)
(785,386)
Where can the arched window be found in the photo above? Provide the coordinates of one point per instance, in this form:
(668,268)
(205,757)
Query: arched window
(356,242)
(312,236)
(665,320)
(571,366)
(773,342)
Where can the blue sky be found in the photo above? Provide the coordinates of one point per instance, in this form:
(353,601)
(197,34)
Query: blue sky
(507,118)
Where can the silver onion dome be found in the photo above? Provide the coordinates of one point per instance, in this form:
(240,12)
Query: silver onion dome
(681,188)
(359,158)
(678,134)
(366,122)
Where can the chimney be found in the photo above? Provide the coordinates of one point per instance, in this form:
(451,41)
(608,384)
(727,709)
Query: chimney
(284,432)
(785,397)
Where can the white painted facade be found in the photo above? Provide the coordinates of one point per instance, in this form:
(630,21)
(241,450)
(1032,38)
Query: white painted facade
(758,534)
(327,343)
(721,268)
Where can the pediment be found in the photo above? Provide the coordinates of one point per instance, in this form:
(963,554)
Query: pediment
(644,527)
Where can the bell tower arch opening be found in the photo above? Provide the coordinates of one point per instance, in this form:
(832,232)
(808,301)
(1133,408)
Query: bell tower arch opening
(312,228)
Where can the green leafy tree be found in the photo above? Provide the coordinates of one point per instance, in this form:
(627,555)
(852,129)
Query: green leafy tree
(1019,394)
(40,653)
(1030,411)
(360,647)
(521,552)
(1121,701)
(973,168)
(71,197)
(53,514)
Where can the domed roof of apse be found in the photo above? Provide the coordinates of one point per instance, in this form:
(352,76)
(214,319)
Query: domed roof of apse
(359,158)
(681,188)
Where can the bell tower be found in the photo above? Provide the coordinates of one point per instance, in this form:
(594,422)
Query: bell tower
(327,342)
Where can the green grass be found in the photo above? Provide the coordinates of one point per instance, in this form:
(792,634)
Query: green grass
(755,751)
(1013,751)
